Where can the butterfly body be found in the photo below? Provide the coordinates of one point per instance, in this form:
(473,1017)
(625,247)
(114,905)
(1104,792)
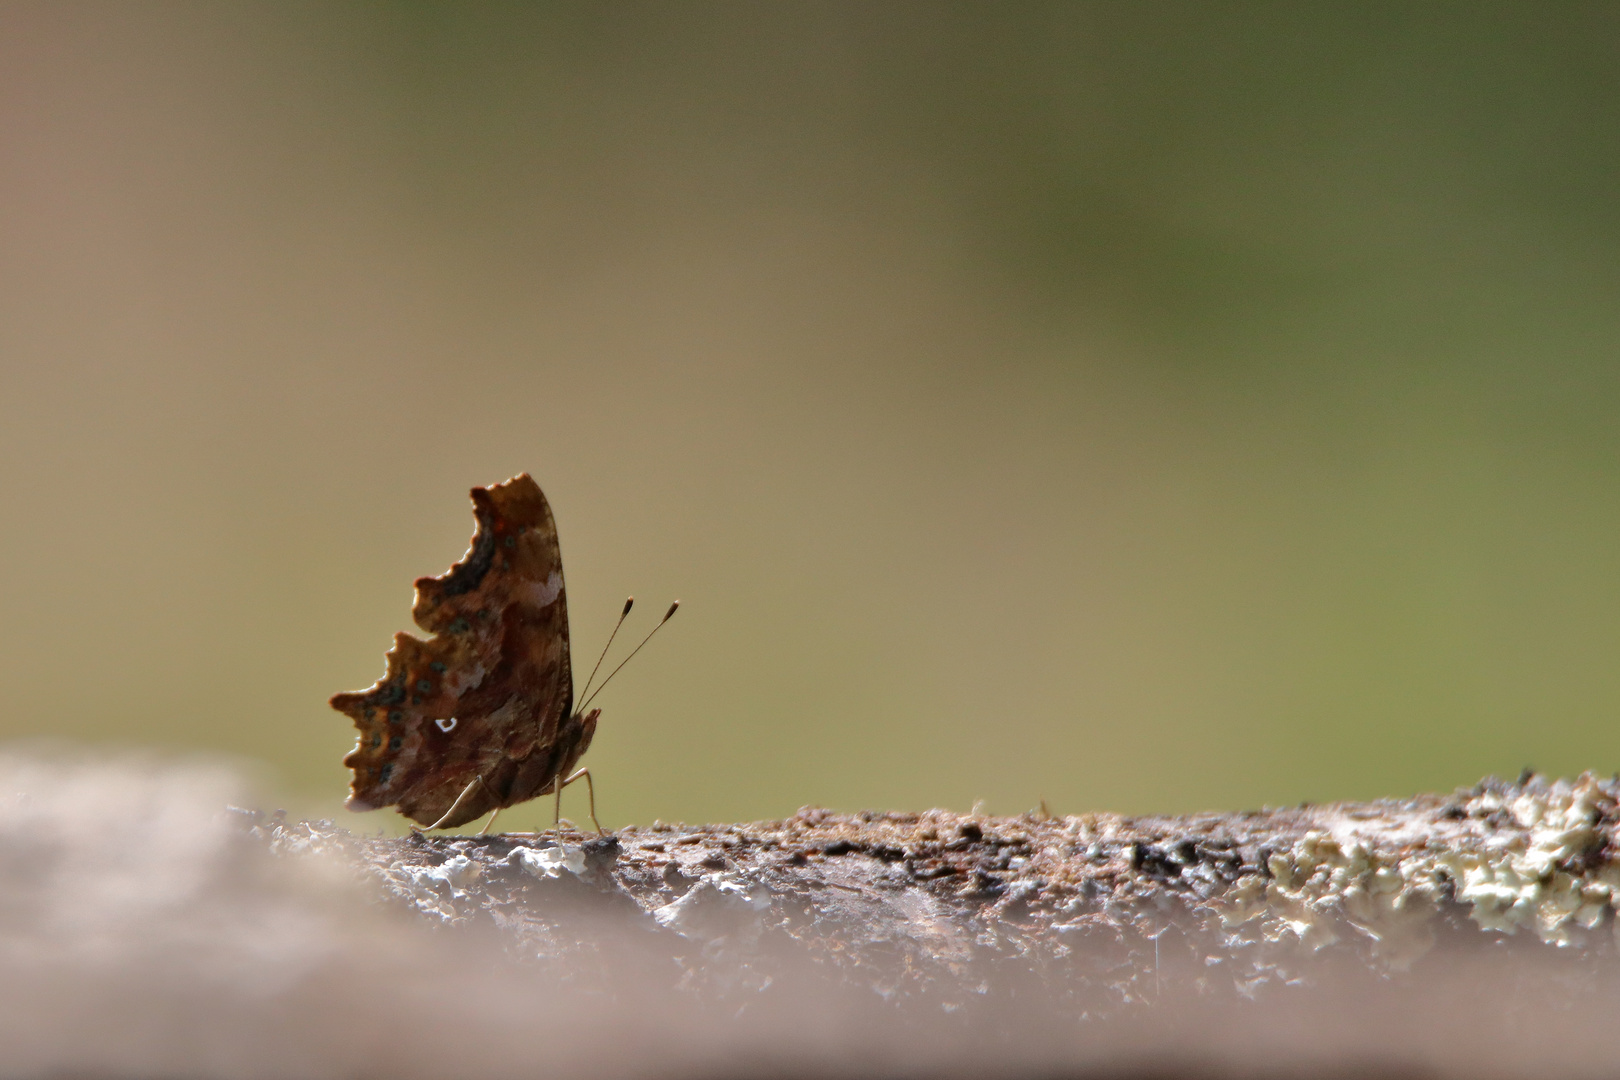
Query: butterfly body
(479,715)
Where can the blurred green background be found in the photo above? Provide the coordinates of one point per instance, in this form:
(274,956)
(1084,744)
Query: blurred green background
(1140,406)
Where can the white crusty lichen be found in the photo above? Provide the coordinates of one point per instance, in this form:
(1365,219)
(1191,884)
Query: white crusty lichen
(1322,882)
(550,862)
(1524,882)
(434,889)
(1527,870)
(718,906)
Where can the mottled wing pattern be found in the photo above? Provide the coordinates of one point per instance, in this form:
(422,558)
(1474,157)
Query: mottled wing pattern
(491,685)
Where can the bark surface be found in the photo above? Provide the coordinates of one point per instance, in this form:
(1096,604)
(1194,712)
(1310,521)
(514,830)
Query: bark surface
(1471,930)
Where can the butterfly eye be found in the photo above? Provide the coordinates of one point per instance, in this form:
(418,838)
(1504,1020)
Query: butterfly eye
(446,725)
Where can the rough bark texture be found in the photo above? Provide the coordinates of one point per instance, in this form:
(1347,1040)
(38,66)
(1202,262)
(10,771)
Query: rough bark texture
(145,932)
(1467,930)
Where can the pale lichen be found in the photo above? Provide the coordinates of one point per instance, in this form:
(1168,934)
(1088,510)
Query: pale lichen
(1098,905)
(1529,869)
(550,862)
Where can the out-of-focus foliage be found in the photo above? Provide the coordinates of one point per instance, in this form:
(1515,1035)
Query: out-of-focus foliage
(1139,406)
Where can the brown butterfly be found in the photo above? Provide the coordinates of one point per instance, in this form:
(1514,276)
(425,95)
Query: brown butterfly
(480,716)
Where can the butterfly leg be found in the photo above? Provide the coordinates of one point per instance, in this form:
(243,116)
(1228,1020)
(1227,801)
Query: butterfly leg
(457,805)
(491,822)
(590,786)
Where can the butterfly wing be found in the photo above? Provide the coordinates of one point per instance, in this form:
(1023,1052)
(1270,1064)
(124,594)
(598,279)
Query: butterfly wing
(488,688)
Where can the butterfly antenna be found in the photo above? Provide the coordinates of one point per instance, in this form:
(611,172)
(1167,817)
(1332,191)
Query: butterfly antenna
(638,648)
(628,602)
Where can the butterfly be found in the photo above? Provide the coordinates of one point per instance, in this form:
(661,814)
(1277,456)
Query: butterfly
(480,715)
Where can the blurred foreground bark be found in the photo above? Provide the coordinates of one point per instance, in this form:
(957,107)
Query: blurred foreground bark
(1075,918)
(145,932)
